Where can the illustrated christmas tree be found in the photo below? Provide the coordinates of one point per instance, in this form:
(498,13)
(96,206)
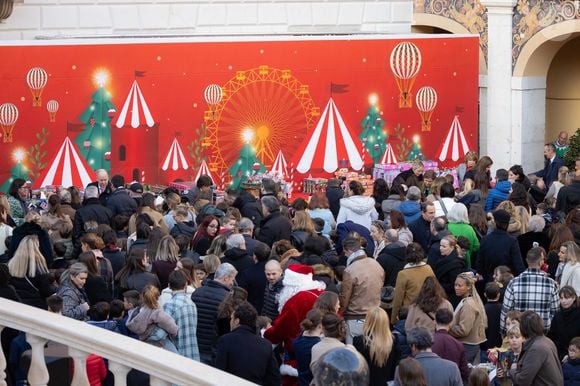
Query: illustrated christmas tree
(415,153)
(373,135)
(18,171)
(95,141)
(245,166)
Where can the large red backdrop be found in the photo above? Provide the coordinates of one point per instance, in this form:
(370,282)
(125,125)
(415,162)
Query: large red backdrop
(276,90)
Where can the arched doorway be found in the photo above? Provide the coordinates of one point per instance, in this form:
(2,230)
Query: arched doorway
(434,24)
(553,54)
(563,91)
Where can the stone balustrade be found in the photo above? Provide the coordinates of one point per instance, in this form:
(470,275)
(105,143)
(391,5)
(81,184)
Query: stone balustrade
(123,353)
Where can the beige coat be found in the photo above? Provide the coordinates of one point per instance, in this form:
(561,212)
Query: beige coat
(468,323)
(155,216)
(361,286)
(409,282)
(418,318)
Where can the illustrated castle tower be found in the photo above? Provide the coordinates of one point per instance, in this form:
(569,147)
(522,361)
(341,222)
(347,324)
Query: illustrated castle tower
(135,140)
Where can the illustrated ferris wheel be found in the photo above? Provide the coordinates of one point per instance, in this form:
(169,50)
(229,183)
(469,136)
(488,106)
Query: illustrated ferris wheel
(267,104)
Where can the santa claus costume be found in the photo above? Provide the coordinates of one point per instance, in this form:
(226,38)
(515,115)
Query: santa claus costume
(296,299)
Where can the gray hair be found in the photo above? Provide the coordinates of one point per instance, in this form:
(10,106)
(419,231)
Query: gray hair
(392,235)
(65,196)
(271,203)
(102,172)
(537,223)
(235,241)
(91,192)
(73,271)
(458,214)
(420,337)
(414,193)
(439,223)
(245,225)
(225,270)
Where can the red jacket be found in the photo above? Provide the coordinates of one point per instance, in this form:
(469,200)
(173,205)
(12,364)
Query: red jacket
(286,327)
(96,370)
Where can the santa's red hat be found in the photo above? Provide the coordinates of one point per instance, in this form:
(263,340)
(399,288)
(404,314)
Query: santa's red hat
(298,274)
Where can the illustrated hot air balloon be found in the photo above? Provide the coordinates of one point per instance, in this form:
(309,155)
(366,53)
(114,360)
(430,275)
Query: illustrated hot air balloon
(405,64)
(36,79)
(52,107)
(213,95)
(8,118)
(426,100)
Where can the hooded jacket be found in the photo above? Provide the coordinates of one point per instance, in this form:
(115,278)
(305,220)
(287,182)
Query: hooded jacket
(498,194)
(410,209)
(358,209)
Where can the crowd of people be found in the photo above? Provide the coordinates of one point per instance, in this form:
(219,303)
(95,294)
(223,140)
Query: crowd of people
(420,283)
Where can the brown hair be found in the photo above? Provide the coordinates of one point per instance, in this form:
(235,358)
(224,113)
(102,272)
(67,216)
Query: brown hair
(411,373)
(312,320)
(93,241)
(318,201)
(150,296)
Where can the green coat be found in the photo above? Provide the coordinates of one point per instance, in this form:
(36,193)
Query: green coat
(465,230)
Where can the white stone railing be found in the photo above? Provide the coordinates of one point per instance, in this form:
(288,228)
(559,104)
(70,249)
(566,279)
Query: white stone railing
(165,368)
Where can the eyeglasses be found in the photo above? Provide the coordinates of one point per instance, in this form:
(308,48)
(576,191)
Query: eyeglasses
(212,226)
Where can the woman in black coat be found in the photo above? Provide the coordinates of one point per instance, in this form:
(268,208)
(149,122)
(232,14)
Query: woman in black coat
(448,266)
(95,286)
(32,286)
(31,226)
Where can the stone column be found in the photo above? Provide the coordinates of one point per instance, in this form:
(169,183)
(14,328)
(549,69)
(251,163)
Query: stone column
(529,117)
(501,140)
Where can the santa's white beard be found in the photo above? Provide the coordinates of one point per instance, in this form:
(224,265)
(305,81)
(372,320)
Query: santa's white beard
(288,291)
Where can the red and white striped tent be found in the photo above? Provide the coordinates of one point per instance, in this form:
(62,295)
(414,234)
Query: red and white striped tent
(389,155)
(455,145)
(203,170)
(175,159)
(67,169)
(330,143)
(140,112)
(280,167)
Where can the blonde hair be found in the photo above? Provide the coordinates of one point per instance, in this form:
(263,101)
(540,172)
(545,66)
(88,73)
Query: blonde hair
(167,249)
(514,331)
(150,296)
(572,252)
(211,263)
(32,216)
(524,217)
(377,335)
(469,279)
(303,222)
(27,260)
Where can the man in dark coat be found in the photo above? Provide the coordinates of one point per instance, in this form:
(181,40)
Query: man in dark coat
(392,257)
(246,228)
(446,346)
(120,202)
(499,248)
(569,196)
(104,187)
(274,226)
(273,273)
(92,210)
(236,253)
(249,204)
(334,193)
(438,231)
(421,228)
(207,300)
(553,163)
(254,279)
(245,354)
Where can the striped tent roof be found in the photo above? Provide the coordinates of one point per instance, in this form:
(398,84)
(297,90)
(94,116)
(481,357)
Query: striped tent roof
(137,106)
(175,158)
(203,170)
(329,143)
(389,155)
(67,168)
